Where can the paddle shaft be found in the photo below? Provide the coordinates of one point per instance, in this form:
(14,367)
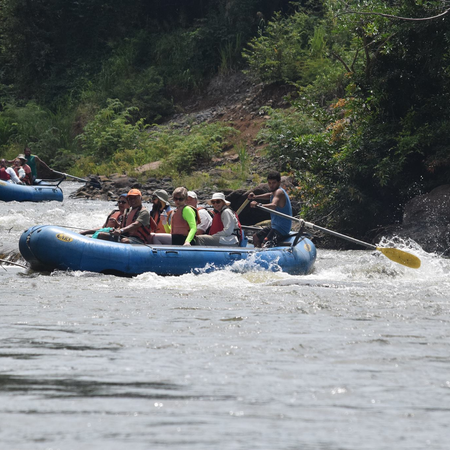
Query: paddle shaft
(72,176)
(13,263)
(316,227)
(246,202)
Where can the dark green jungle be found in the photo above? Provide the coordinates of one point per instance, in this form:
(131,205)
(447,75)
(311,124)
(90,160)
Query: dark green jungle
(93,86)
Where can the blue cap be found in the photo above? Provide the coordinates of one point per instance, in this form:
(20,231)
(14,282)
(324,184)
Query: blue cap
(123,195)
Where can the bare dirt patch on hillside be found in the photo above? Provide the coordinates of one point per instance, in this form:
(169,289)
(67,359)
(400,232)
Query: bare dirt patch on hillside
(236,100)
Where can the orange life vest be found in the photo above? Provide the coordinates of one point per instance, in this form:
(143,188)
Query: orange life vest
(179,225)
(143,232)
(28,177)
(110,222)
(155,221)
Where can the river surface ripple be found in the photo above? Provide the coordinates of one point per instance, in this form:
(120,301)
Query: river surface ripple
(353,356)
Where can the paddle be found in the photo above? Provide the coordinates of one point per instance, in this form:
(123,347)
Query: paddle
(246,202)
(13,263)
(394,254)
(71,176)
(94,182)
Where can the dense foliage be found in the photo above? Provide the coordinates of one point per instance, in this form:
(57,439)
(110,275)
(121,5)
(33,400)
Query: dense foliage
(84,83)
(380,97)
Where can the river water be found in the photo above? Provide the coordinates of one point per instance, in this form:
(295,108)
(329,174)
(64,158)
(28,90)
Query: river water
(354,356)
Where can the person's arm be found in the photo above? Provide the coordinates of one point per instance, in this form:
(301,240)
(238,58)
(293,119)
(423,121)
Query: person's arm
(39,160)
(190,217)
(265,196)
(128,229)
(255,199)
(205,221)
(229,223)
(84,233)
(279,199)
(143,219)
(13,175)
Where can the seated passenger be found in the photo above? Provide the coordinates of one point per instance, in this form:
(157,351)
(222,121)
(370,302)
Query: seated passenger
(114,220)
(23,170)
(161,212)
(8,174)
(135,227)
(205,217)
(225,227)
(184,222)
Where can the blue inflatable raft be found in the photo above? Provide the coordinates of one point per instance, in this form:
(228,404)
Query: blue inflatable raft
(10,192)
(50,247)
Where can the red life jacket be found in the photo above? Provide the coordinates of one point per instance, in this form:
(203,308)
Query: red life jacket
(4,175)
(179,225)
(143,233)
(27,179)
(28,174)
(217,225)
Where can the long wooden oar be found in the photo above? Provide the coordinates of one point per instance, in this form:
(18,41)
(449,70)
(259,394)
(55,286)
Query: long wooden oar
(394,254)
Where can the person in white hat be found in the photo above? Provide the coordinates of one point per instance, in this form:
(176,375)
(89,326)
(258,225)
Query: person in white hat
(205,216)
(225,227)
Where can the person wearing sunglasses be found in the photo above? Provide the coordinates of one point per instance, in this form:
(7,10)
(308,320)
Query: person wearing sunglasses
(161,211)
(114,220)
(135,227)
(184,222)
(225,228)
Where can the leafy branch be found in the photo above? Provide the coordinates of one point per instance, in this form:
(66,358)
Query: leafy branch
(391,16)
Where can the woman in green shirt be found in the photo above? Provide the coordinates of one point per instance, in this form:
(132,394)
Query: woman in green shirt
(184,222)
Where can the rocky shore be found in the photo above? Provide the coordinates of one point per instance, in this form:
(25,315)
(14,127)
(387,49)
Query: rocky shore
(426,220)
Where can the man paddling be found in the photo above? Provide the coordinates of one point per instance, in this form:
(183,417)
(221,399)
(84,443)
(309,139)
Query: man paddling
(32,160)
(279,201)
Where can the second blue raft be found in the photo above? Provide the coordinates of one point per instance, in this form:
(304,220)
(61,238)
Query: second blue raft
(10,192)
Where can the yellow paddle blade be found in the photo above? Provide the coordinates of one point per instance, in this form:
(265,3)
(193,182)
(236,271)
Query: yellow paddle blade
(401,257)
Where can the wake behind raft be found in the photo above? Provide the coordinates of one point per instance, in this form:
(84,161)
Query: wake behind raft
(48,247)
